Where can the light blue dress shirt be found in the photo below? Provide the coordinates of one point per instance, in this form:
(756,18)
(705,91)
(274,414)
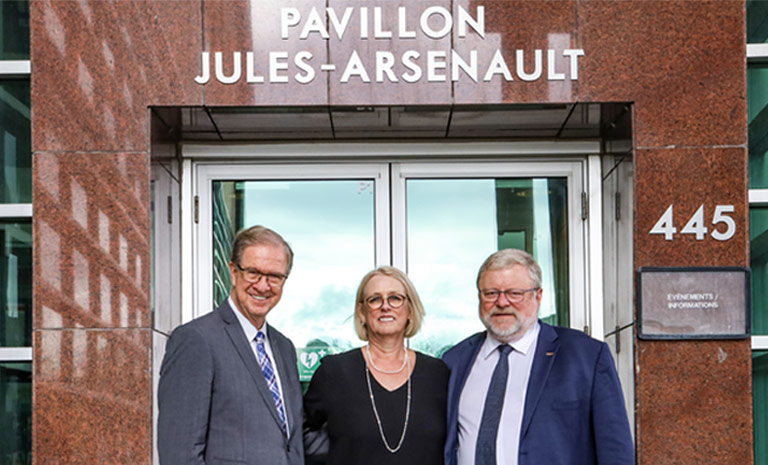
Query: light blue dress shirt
(473,395)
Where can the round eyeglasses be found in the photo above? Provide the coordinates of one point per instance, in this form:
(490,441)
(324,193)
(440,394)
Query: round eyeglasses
(513,295)
(375,302)
(253,275)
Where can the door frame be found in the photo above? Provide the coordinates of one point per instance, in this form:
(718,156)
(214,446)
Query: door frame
(205,173)
(573,170)
(577,160)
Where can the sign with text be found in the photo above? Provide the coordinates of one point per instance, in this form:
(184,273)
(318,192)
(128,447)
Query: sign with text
(723,227)
(693,303)
(455,40)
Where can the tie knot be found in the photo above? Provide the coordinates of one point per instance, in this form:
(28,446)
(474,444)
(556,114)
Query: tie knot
(505,349)
(259,338)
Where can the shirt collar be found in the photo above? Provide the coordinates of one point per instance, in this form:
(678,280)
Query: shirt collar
(248,328)
(522,345)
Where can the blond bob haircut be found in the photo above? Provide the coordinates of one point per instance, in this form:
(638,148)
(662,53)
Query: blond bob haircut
(417,309)
(257,235)
(507,258)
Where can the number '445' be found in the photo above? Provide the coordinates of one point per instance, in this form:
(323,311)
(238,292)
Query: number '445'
(697,225)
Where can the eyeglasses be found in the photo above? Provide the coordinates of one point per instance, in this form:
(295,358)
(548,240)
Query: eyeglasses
(512,295)
(375,302)
(252,275)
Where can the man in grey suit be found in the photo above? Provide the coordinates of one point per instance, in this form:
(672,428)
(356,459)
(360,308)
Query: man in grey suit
(229,389)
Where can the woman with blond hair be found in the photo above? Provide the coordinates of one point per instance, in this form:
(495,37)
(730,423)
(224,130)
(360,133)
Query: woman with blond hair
(383,403)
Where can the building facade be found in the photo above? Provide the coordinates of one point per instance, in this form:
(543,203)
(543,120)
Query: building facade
(613,140)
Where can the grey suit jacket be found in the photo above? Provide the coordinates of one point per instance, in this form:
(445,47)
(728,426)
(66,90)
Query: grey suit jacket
(215,406)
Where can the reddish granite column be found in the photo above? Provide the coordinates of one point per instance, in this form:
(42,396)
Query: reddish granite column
(683,64)
(694,397)
(92,373)
(97,66)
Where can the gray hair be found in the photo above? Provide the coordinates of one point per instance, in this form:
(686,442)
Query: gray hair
(256,235)
(507,258)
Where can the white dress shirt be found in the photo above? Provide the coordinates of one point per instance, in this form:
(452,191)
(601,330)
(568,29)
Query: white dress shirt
(472,400)
(250,334)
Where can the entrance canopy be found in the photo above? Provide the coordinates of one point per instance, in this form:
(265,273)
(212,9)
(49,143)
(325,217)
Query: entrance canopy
(607,121)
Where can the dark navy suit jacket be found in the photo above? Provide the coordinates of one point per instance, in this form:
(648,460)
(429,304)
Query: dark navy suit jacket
(574,410)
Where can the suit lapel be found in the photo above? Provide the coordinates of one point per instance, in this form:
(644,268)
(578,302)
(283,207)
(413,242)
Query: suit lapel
(543,359)
(463,367)
(469,358)
(243,347)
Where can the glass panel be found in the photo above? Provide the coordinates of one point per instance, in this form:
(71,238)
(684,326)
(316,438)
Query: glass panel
(16,413)
(14,35)
(15,150)
(224,229)
(757,92)
(330,226)
(16,284)
(760,407)
(757,21)
(758,231)
(454,224)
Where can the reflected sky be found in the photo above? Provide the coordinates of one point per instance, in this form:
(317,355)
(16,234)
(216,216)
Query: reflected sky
(451,226)
(451,229)
(330,226)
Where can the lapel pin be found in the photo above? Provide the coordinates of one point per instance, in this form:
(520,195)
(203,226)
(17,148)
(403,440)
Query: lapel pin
(549,354)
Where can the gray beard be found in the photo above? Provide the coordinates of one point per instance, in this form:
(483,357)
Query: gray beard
(513,333)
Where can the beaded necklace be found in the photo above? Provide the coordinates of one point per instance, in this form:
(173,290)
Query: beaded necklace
(376,412)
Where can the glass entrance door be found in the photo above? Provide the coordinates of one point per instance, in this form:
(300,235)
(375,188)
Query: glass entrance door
(436,221)
(330,225)
(331,215)
(453,216)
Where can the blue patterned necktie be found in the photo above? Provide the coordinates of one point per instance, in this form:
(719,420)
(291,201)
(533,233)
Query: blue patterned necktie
(485,450)
(269,375)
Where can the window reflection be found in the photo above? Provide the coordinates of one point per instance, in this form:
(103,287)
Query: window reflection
(329,225)
(15,413)
(14,30)
(15,149)
(757,21)
(757,84)
(758,231)
(760,398)
(454,224)
(16,284)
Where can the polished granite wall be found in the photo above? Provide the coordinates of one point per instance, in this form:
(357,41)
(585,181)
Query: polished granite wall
(98,65)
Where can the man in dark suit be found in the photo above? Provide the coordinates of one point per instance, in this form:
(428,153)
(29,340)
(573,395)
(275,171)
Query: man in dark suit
(527,393)
(229,389)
